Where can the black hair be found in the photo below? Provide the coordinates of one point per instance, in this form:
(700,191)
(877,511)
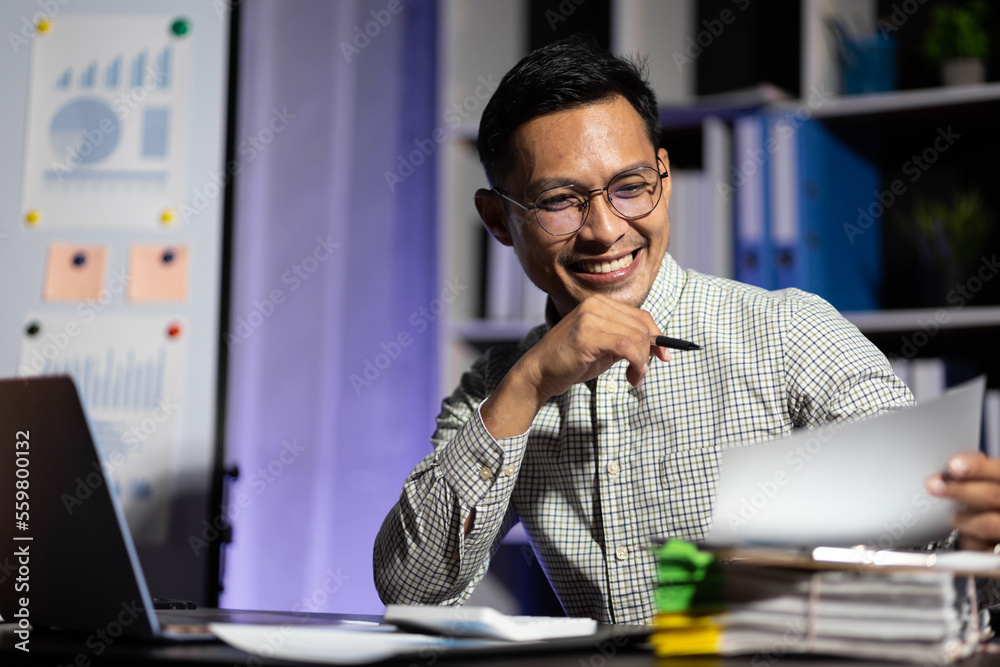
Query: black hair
(565,74)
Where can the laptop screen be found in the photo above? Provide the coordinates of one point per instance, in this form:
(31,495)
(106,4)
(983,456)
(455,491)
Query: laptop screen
(67,559)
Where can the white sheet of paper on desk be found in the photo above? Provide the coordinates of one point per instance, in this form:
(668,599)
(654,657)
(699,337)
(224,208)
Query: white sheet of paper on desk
(847,484)
(335,644)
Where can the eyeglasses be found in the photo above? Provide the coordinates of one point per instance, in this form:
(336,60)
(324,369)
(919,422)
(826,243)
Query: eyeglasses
(563,210)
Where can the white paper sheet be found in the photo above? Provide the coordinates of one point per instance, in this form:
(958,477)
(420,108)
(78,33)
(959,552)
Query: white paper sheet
(335,644)
(848,484)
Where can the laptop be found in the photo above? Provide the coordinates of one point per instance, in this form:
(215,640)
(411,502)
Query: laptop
(67,559)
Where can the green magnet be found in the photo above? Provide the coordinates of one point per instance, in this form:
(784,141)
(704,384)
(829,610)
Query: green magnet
(180,27)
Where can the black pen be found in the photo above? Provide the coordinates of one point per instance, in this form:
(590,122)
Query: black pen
(674,343)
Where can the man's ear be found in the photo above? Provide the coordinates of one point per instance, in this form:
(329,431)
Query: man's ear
(665,159)
(491,210)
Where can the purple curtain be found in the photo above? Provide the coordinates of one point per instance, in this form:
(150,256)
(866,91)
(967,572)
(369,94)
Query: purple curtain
(332,382)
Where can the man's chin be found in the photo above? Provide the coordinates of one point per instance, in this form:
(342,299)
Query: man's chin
(626,295)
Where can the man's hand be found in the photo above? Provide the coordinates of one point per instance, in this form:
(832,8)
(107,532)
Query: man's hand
(974,480)
(584,344)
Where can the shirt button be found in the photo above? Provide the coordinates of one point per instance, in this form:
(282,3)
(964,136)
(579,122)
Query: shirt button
(613,468)
(612,386)
(621,553)
(486,473)
(509,470)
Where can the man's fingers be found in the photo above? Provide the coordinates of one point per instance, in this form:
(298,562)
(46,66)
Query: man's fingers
(621,346)
(974,480)
(661,353)
(637,354)
(641,318)
(635,376)
(632,344)
(969,543)
(974,466)
(975,494)
(598,317)
(979,530)
(592,324)
(598,333)
(607,348)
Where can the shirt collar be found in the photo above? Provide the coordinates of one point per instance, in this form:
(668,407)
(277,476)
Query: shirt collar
(665,292)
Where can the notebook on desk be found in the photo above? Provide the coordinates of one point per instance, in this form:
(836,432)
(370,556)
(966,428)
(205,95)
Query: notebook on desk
(68,565)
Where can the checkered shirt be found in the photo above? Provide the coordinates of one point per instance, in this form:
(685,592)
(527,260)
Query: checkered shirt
(605,466)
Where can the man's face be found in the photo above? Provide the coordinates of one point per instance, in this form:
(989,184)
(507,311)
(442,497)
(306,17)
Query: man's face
(586,146)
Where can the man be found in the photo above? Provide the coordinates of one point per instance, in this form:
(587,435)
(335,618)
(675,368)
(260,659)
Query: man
(591,437)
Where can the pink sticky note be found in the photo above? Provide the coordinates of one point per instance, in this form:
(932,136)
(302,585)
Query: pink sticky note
(158,273)
(75,272)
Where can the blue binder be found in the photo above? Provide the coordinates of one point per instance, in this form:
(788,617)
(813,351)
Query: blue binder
(825,211)
(750,177)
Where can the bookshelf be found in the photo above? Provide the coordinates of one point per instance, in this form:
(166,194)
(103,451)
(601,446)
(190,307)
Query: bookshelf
(877,322)
(874,104)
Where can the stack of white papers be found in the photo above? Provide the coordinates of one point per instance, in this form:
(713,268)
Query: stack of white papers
(900,615)
(912,615)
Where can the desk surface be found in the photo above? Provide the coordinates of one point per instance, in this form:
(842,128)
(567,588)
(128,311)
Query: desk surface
(65,649)
(608,648)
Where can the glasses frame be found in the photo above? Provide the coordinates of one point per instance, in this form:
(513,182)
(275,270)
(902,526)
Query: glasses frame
(590,195)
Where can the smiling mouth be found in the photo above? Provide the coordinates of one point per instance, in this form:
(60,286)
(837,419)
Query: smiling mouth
(607,266)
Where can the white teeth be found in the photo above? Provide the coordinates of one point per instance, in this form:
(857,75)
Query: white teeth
(607,267)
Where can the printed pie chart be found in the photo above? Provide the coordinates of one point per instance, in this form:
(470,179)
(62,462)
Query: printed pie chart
(84,131)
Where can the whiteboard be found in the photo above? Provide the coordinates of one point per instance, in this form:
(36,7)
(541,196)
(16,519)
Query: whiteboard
(111,228)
